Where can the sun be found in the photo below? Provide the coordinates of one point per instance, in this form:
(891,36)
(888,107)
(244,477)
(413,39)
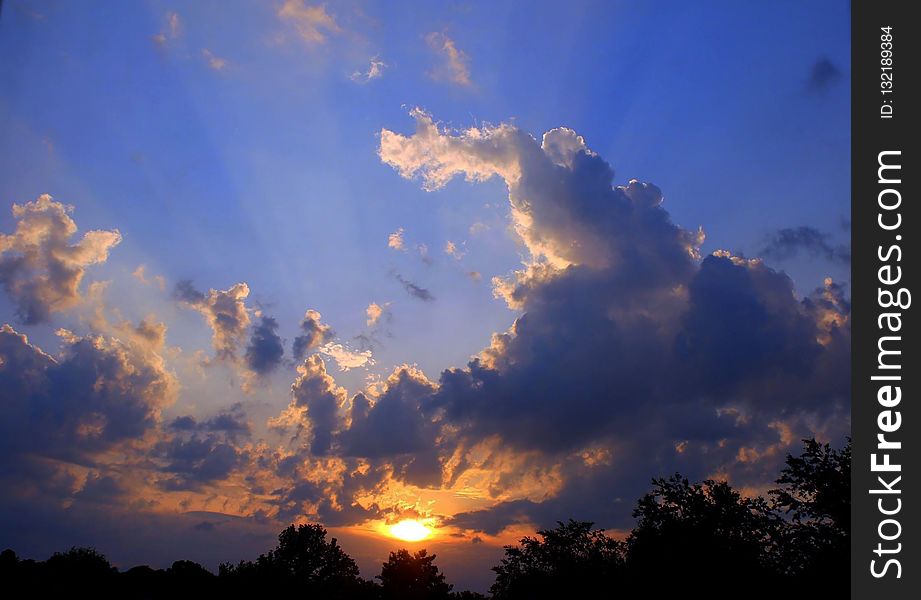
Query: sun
(410,530)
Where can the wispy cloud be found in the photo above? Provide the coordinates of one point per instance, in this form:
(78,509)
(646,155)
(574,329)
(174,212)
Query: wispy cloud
(214,62)
(375,71)
(172,30)
(787,243)
(456,63)
(417,292)
(312,22)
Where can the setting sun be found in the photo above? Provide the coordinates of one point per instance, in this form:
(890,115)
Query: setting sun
(410,530)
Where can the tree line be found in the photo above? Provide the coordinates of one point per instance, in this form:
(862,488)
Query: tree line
(690,538)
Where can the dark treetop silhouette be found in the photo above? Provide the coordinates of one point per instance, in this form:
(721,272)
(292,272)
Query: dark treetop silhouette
(701,538)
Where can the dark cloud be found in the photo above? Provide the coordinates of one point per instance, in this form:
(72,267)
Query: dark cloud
(185,291)
(40,269)
(265,349)
(632,356)
(314,334)
(198,459)
(97,393)
(316,405)
(822,75)
(417,292)
(788,243)
(225,312)
(232,423)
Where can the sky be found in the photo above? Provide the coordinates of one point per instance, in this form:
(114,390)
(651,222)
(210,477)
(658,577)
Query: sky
(482,265)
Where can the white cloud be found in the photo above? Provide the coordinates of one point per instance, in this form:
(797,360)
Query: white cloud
(347,359)
(375,71)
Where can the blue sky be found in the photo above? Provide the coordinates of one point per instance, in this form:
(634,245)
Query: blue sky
(232,142)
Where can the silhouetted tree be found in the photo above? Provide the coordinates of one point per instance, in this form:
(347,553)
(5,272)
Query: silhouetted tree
(303,560)
(814,491)
(571,560)
(690,533)
(408,576)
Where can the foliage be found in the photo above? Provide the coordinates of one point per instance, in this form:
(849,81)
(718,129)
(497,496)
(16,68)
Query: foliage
(573,558)
(413,576)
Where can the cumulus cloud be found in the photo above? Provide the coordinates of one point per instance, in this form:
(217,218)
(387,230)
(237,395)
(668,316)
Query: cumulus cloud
(456,63)
(375,71)
(395,240)
(613,294)
(313,334)
(225,312)
(312,22)
(317,405)
(99,392)
(265,349)
(787,243)
(375,311)
(40,269)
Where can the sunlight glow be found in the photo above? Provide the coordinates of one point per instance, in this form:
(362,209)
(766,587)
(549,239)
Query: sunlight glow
(410,530)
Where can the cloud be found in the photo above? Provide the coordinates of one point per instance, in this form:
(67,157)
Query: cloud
(375,71)
(98,393)
(316,407)
(456,67)
(312,22)
(454,251)
(375,311)
(140,273)
(612,295)
(395,240)
(232,422)
(214,62)
(787,243)
(631,356)
(173,29)
(347,358)
(265,350)
(40,269)
(417,292)
(174,24)
(224,310)
(822,75)
(314,334)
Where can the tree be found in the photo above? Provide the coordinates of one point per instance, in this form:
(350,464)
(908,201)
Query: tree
(408,576)
(815,493)
(700,532)
(302,560)
(572,559)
